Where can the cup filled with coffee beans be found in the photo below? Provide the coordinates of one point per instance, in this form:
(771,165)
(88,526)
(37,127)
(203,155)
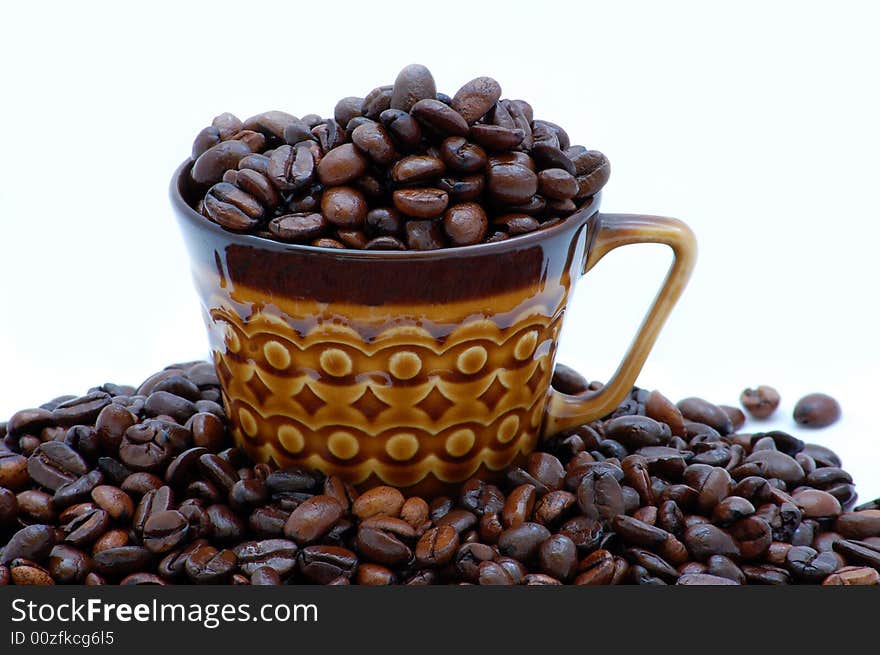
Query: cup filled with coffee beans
(384,289)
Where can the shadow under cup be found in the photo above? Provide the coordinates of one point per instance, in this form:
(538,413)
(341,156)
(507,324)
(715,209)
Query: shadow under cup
(403,368)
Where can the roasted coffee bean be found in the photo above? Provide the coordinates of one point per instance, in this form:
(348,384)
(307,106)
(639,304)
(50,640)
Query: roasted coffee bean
(760,402)
(77,491)
(165,531)
(341,165)
(557,557)
(216,160)
(277,554)
(638,533)
(476,98)
(858,552)
(375,141)
(511,183)
(516,223)
(384,221)
(344,207)
(853,575)
(704,540)
(312,519)
(701,411)
(67,565)
(599,496)
(815,503)
(523,541)
(859,525)
(207,565)
(771,464)
(463,157)
(554,507)
(637,431)
(232,208)
(421,203)
(465,224)
(55,464)
(403,128)
(597,568)
(816,410)
(270,123)
(567,380)
(437,546)
(424,235)
(439,117)
(377,101)
(378,500)
(33,542)
(413,83)
(14,471)
(141,483)
(417,168)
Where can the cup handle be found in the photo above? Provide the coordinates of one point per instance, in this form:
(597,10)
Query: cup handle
(611,231)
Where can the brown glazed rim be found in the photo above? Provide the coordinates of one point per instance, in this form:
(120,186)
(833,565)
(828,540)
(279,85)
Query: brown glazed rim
(573,220)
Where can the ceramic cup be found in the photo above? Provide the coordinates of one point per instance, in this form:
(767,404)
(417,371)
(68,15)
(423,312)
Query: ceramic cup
(412,369)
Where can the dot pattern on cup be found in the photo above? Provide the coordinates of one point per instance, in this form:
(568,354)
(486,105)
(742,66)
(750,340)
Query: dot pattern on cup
(400,406)
(403,168)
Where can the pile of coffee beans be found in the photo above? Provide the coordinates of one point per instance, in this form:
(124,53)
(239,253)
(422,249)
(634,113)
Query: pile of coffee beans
(404,167)
(143,486)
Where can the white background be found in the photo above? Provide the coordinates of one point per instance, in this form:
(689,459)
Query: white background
(757,124)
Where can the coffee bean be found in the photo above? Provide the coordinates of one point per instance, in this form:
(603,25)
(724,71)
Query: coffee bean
(760,402)
(853,575)
(382,547)
(277,554)
(14,471)
(701,411)
(207,565)
(344,207)
(417,168)
(557,557)
(312,519)
(522,542)
(33,542)
(516,224)
(298,227)
(704,540)
(232,208)
(637,431)
(816,410)
(598,568)
(403,128)
(54,464)
(859,525)
(599,496)
(511,183)
(439,118)
(413,83)
(270,123)
(216,160)
(378,500)
(165,531)
(421,203)
(377,101)
(567,380)
(375,141)
(476,98)
(554,507)
(437,546)
(638,533)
